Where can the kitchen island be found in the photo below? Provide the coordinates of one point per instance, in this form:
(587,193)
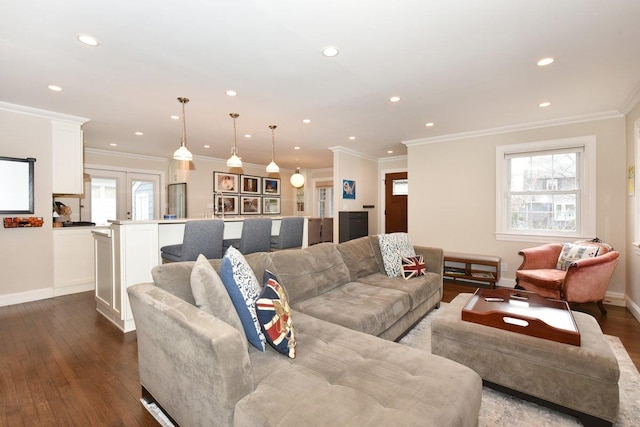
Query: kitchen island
(126,252)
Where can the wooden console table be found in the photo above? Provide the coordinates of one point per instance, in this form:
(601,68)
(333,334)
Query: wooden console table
(477,268)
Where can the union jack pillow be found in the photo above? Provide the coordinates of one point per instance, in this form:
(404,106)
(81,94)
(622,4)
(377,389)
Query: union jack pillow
(274,315)
(412,266)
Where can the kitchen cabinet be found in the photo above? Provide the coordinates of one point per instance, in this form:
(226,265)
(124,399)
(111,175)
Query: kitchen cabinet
(72,260)
(67,158)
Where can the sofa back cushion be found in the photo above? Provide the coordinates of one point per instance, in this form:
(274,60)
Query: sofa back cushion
(306,273)
(359,257)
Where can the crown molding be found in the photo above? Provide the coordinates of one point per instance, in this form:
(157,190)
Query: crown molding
(516,128)
(127,155)
(341,149)
(393,159)
(43,114)
(632,100)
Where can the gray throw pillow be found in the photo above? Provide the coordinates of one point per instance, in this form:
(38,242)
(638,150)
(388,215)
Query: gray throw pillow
(210,294)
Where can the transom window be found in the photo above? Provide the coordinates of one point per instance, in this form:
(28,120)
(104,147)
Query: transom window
(546,189)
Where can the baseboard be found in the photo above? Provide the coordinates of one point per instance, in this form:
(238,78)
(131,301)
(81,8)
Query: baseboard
(615,298)
(633,308)
(73,289)
(28,296)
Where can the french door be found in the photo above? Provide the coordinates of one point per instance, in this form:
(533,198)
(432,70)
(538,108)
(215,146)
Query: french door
(121,195)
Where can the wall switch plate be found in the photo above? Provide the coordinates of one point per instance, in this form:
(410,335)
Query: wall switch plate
(504,266)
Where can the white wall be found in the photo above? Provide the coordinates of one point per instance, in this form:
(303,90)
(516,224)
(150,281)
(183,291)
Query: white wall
(364,171)
(26,254)
(633,216)
(456,183)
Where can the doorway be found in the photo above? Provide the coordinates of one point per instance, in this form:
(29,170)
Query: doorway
(121,195)
(396,189)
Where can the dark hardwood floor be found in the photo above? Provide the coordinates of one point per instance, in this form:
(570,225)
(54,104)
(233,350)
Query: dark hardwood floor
(63,364)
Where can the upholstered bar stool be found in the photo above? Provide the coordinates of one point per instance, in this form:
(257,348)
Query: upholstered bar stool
(255,237)
(200,237)
(290,236)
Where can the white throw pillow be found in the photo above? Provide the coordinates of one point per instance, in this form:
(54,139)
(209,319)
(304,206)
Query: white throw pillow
(571,253)
(393,247)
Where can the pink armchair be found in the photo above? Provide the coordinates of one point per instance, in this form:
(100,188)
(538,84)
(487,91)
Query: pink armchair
(585,280)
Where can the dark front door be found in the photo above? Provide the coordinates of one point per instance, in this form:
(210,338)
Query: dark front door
(396,185)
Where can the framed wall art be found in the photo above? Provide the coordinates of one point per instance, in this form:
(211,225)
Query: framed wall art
(224,182)
(348,189)
(226,202)
(271,186)
(250,205)
(250,184)
(271,205)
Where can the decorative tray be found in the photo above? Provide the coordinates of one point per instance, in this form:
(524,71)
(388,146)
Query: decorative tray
(523,312)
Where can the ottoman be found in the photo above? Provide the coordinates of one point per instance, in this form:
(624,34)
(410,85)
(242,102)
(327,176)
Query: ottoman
(582,381)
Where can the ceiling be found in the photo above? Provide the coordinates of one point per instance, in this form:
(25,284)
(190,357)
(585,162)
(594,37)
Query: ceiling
(464,65)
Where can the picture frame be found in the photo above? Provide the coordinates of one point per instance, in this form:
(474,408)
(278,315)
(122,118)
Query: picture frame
(224,182)
(16,185)
(348,189)
(230,204)
(271,186)
(250,205)
(250,184)
(271,205)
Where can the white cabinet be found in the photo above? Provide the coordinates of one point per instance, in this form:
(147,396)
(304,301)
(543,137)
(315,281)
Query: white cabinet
(67,159)
(72,260)
(124,257)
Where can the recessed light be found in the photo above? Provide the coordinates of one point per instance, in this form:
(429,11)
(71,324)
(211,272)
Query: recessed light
(545,61)
(207,146)
(113,144)
(352,138)
(296,148)
(429,124)
(394,99)
(55,88)
(139,133)
(175,117)
(231,93)
(246,135)
(330,51)
(544,104)
(306,121)
(88,40)
(389,151)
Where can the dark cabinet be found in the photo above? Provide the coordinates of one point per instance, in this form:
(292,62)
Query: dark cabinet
(353,225)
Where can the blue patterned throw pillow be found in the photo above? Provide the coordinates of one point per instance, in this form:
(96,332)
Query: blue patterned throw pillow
(413,267)
(274,315)
(571,253)
(244,290)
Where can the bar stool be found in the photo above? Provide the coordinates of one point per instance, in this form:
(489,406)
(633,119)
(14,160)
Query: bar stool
(290,236)
(200,237)
(255,237)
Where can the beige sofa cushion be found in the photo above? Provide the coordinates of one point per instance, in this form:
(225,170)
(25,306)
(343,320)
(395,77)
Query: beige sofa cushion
(359,257)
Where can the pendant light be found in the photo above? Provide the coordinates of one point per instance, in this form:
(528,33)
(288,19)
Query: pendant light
(273,167)
(234,161)
(183,152)
(297,179)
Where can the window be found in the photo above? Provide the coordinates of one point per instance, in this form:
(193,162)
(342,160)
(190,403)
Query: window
(400,187)
(325,202)
(546,189)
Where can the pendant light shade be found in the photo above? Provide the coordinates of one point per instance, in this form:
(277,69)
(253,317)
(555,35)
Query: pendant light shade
(183,152)
(273,167)
(297,179)
(234,161)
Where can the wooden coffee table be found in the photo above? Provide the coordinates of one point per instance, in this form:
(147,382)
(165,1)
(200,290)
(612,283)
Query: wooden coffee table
(523,312)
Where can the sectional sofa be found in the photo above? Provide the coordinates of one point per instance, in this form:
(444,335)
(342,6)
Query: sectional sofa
(346,312)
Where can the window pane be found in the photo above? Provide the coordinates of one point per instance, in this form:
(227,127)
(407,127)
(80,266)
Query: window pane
(543,212)
(103,200)
(400,187)
(141,200)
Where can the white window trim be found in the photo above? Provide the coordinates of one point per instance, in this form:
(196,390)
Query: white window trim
(636,135)
(587,196)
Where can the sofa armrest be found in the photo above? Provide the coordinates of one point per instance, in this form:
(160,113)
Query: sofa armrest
(195,365)
(433,258)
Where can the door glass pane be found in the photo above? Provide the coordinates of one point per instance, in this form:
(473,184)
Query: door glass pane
(400,187)
(141,200)
(103,200)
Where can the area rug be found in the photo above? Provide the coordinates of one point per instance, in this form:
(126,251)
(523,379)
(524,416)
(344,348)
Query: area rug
(500,409)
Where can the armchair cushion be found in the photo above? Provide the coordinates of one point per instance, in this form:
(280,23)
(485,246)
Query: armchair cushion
(547,282)
(572,252)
